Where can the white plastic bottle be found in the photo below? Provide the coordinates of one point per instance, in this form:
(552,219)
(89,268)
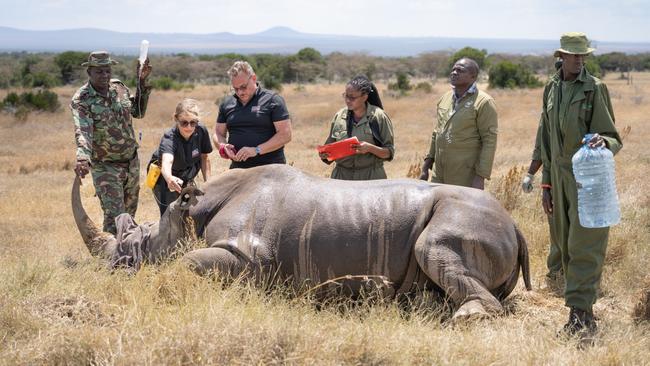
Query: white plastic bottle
(144,49)
(593,169)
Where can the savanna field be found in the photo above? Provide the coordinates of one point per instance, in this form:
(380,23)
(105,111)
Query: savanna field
(60,306)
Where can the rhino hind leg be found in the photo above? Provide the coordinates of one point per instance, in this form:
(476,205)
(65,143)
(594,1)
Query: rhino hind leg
(209,260)
(442,261)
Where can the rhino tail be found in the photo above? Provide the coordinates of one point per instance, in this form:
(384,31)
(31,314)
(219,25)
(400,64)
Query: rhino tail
(522,258)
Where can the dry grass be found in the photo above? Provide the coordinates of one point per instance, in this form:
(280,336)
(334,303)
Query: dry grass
(642,308)
(54,310)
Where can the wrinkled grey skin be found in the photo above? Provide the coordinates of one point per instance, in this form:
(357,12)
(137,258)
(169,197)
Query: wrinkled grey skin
(411,234)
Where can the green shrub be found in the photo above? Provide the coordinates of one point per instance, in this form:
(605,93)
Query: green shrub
(402,84)
(167,83)
(594,68)
(43,100)
(424,87)
(43,80)
(11,100)
(271,82)
(162,83)
(505,74)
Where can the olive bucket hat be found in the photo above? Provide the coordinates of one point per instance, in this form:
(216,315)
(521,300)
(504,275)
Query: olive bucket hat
(574,43)
(99,58)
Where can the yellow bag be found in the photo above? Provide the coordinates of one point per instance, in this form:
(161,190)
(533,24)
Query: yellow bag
(152,176)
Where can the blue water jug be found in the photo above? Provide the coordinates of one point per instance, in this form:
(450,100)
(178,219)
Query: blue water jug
(593,169)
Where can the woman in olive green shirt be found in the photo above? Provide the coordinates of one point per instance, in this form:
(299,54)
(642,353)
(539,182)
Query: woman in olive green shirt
(364,118)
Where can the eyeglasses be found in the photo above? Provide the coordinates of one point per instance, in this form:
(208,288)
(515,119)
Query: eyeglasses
(351,97)
(191,123)
(243,87)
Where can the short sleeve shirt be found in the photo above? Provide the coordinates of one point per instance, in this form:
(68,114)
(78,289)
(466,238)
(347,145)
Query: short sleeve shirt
(252,124)
(187,153)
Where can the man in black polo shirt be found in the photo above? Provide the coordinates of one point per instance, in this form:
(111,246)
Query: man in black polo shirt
(253,124)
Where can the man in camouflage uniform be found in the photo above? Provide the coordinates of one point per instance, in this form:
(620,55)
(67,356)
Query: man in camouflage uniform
(106,143)
(465,139)
(575,103)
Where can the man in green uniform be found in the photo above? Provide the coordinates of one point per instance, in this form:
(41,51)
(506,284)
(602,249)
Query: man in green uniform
(465,139)
(574,104)
(106,143)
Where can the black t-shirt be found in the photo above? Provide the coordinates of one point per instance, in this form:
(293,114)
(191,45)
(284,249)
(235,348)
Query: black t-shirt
(187,153)
(252,124)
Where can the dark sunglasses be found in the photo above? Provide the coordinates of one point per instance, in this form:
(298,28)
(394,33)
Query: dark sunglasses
(192,123)
(243,87)
(351,97)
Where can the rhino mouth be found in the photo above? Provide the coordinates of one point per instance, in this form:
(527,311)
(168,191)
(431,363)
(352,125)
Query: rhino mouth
(134,243)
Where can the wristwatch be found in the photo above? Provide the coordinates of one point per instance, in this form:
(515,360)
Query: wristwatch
(258,151)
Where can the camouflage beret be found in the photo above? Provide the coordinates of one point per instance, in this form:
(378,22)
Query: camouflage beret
(99,58)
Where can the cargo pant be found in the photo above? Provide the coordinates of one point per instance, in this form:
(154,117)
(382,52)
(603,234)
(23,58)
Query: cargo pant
(582,249)
(117,185)
(554,259)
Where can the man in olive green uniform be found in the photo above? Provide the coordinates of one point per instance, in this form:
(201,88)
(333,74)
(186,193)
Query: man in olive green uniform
(574,104)
(465,139)
(106,143)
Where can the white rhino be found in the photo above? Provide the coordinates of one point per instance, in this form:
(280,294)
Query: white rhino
(277,219)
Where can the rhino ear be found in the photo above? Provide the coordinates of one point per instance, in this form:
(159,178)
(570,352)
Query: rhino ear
(188,197)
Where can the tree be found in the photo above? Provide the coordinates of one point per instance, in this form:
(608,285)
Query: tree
(402,84)
(613,61)
(68,62)
(305,66)
(469,52)
(505,74)
(309,54)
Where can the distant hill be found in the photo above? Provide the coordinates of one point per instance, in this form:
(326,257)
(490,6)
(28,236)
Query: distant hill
(275,40)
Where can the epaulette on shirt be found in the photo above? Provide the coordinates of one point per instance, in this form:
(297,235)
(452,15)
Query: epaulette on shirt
(119,82)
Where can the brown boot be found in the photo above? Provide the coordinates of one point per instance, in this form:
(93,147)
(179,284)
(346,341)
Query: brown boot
(582,324)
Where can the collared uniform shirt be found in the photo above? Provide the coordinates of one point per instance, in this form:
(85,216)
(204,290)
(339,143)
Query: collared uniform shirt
(103,125)
(571,110)
(362,166)
(464,139)
(252,124)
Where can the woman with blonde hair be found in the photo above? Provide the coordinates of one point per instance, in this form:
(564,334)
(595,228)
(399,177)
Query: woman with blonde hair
(182,152)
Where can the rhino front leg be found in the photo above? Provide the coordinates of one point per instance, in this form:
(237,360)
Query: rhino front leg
(441,256)
(208,260)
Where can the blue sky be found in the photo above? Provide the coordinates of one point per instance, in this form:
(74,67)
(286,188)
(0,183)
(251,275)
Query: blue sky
(620,20)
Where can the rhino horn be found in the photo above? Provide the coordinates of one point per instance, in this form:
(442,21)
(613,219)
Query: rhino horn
(99,243)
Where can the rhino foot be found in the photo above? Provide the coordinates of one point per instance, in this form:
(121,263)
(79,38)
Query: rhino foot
(470,310)
(205,261)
